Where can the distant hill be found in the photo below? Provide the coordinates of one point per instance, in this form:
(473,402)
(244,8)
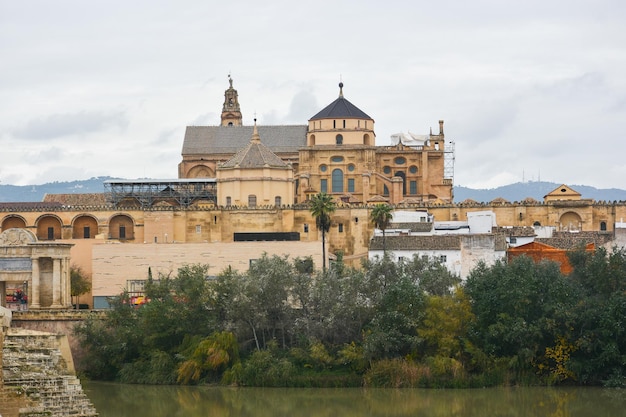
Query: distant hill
(537,190)
(511,192)
(24,193)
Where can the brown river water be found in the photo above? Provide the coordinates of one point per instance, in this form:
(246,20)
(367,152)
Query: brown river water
(117,400)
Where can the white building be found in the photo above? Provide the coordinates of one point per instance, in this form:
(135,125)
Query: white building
(460,245)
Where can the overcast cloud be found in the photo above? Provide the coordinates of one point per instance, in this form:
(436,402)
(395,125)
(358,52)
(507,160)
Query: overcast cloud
(528,90)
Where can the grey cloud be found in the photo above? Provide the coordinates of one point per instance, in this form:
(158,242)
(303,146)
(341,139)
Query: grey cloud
(206,119)
(303,106)
(65,124)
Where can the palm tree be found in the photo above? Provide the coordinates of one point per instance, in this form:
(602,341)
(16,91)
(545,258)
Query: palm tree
(322,205)
(381,217)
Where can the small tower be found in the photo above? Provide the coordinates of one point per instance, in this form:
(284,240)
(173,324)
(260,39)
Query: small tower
(255,176)
(231,114)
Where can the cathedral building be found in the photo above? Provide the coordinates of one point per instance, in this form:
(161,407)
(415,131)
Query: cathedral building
(335,153)
(241,185)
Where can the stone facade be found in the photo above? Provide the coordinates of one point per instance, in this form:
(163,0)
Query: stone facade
(37,371)
(350,230)
(335,153)
(40,270)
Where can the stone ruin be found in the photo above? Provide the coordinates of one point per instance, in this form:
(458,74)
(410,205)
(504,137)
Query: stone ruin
(37,375)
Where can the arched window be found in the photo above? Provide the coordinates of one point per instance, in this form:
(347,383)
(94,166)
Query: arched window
(339,139)
(277,201)
(337,181)
(252,200)
(403,176)
(603,226)
(84,227)
(13,222)
(121,227)
(49,228)
(537,224)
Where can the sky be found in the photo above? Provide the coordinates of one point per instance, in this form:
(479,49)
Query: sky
(528,91)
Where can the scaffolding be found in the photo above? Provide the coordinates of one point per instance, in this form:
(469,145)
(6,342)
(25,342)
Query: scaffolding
(147,193)
(448,161)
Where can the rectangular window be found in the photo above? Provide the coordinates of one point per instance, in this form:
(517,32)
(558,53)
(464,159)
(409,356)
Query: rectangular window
(86,232)
(228,202)
(413,187)
(306,228)
(252,200)
(324,185)
(122,232)
(443,258)
(350,185)
(198,229)
(340,227)
(136,285)
(277,201)
(50,233)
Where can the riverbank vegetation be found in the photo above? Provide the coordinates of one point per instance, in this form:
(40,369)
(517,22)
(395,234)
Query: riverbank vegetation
(388,324)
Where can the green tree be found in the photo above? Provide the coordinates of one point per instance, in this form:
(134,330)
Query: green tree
(432,275)
(445,324)
(600,353)
(521,308)
(258,304)
(211,356)
(322,206)
(141,344)
(381,217)
(397,304)
(80,283)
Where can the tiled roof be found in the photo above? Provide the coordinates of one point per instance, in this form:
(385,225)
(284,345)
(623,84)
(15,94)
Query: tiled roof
(377,199)
(517,231)
(413,226)
(28,205)
(439,242)
(341,109)
(85,199)
(229,139)
(255,155)
(571,241)
(436,242)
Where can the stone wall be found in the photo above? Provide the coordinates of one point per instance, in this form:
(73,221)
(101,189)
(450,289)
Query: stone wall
(36,372)
(58,322)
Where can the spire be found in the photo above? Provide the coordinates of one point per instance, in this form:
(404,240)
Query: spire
(231,113)
(255,134)
(340,89)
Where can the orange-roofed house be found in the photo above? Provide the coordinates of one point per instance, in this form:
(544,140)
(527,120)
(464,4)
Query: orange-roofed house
(540,251)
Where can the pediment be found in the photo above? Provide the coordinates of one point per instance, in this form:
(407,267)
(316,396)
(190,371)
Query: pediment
(563,192)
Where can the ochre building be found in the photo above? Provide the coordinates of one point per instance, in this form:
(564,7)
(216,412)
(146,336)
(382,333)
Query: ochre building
(243,190)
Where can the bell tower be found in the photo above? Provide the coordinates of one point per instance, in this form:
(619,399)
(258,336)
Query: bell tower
(231,114)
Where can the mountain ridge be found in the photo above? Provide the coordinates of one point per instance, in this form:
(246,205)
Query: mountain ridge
(511,192)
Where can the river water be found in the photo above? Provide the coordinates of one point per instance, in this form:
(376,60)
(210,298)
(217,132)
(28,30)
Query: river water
(117,400)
